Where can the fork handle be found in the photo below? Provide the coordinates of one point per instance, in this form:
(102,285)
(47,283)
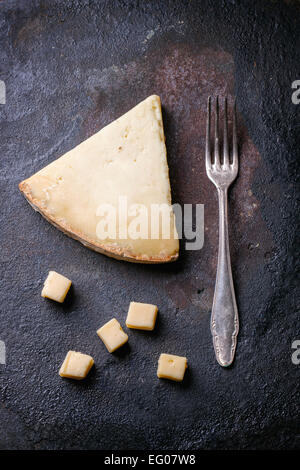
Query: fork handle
(224,317)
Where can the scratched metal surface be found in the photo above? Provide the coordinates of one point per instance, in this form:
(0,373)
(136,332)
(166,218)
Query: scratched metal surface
(72,67)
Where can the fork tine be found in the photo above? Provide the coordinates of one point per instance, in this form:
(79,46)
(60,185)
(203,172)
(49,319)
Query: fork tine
(225,142)
(217,149)
(207,146)
(235,161)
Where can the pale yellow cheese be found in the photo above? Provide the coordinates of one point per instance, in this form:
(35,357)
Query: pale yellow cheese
(112,335)
(126,159)
(56,287)
(141,316)
(171,367)
(76,365)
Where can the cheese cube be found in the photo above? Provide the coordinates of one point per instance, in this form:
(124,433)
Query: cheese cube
(141,316)
(112,335)
(171,367)
(56,287)
(76,365)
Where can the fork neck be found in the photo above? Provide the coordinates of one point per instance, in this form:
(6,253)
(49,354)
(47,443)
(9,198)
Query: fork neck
(223,213)
(222,193)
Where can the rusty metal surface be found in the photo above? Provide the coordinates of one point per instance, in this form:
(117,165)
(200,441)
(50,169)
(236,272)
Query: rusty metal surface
(72,67)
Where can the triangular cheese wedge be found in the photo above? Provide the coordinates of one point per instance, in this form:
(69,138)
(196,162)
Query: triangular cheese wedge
(127,160)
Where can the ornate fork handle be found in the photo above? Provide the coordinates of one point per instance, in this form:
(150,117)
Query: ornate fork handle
(224,317)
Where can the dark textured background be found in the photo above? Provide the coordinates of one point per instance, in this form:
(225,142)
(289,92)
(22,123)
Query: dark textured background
(70,68)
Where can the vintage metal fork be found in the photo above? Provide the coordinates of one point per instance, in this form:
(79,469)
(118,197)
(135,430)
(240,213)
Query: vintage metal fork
(224,316)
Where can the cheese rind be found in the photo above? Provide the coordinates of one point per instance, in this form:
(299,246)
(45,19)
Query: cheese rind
(112,335)
(171,367)
(76,365)
(56,287)
(141,316)
(127,159)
